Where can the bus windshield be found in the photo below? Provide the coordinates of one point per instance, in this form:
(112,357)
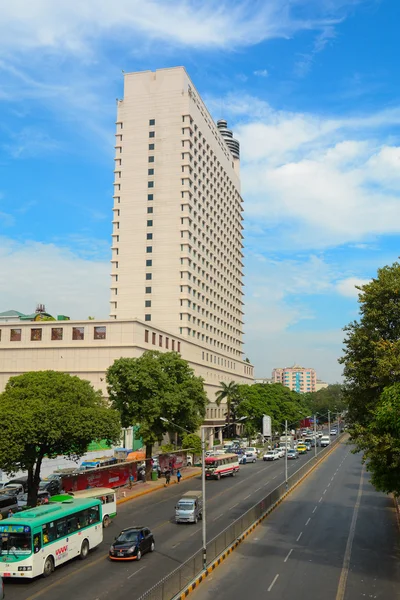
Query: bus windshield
(16,543)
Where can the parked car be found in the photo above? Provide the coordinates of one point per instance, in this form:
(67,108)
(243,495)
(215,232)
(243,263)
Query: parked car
(132,543)
(242,459)
(251,455)
(292,454)
(52,486)
(271,455)
(20,481)
(13,489)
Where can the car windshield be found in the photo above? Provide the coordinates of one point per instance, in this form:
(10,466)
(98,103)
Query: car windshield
(185,505)
(127,537)
(15,543)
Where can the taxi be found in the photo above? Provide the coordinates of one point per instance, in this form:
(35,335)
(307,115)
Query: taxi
(302,449)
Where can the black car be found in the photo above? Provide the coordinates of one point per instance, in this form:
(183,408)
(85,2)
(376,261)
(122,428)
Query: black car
(132,543)
(52,486)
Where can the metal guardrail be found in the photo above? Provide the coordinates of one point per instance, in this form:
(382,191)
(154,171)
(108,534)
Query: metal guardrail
(182,576)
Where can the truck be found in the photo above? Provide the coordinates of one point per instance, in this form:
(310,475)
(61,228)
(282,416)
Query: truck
(189,508)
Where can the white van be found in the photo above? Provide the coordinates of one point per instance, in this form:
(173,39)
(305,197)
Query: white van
(325,441)
(189,508)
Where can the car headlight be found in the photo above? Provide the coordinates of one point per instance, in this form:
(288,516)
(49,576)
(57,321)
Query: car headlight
(131,550)
(111,548)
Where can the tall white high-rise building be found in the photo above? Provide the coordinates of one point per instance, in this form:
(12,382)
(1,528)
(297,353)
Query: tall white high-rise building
(177,226)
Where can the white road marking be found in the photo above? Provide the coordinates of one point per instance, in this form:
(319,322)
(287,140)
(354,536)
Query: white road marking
(273,582)
(233,506)
(320,500)
(194,532)
(245,498)
(136,572)
(300,534)
(289,553)
(257,490)
(219,516)
(324,492)
(332,478)
(314,509)
(266,483)
(308,520)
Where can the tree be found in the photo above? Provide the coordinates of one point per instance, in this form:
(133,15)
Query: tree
(275,400)
(327,399)
(380,442)
(48,413)
(191,441)
(229,393)
(156,385)
(372,371)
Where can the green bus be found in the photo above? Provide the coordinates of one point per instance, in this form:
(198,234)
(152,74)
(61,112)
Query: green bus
(36,541)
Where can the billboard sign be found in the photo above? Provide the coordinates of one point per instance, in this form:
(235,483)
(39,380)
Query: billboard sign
(266,426)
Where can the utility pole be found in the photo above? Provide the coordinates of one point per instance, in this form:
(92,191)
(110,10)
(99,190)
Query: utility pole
(203,486)
(329,423)
(315,435)
(286,451)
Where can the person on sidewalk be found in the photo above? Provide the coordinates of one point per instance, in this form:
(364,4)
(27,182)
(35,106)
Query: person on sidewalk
(167,477)
(178,476)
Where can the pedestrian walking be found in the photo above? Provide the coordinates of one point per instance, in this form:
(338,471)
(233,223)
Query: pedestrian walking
(131,480)
(178,476)
(167,476)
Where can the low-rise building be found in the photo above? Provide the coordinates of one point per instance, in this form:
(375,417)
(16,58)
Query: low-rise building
(297,378)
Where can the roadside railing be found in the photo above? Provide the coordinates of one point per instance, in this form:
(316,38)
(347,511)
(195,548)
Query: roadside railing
(182,576)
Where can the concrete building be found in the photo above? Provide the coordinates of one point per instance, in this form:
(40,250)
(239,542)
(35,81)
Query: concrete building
(264,380)
(297,378)
(177,228)
(177,270)
(320,385)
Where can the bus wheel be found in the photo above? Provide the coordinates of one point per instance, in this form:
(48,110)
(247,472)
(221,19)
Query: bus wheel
(106,521)
(84,550)
(48,566)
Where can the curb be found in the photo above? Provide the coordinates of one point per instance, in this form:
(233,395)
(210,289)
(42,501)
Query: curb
(192,586)
(154,489)
(397,507)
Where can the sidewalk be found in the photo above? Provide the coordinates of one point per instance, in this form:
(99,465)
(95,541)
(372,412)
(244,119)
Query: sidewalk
(139,488)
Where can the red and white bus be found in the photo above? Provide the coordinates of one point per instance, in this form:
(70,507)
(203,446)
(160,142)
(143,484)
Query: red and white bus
(221,464)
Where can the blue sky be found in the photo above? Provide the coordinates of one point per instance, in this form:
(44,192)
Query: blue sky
(311,89)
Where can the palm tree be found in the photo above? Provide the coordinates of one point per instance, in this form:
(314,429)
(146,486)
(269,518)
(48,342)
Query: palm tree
(229,392)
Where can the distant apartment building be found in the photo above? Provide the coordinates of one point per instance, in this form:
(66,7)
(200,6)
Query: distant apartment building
(297,378)
(264,380)
(320,385)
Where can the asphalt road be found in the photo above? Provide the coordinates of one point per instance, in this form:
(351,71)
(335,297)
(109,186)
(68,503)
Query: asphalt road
(97,578)
(333,538)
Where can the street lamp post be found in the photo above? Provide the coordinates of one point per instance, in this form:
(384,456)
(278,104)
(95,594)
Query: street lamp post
(315,435)
(286,453)
(329,423)
(203,481)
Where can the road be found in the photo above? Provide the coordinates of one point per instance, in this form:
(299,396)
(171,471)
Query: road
(333,538)
(97,578)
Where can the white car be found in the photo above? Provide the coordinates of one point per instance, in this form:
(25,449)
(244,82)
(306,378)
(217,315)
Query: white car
(251,454)
(271,455)
(333,431)
(280,452)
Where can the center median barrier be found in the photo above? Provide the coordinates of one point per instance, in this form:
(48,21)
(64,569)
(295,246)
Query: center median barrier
(185,578)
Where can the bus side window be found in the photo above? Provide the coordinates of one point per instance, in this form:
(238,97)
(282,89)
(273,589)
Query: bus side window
(61,528)
(94,515)
(110,498)
(72,524)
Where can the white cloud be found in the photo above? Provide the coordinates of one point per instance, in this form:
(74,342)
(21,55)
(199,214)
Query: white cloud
(72,26)
(34,272)
(347,287)
(261,73)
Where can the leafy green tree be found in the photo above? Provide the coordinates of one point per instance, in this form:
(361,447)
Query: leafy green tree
(275,400)
(229,393)
(156,385)
(372,366)
(191,441)
(327,399)
(48,413)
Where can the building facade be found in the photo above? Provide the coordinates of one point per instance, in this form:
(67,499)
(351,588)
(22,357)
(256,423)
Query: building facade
(297,378)
(177,228)
(177,270)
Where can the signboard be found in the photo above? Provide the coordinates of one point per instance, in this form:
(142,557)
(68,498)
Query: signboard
(266,426)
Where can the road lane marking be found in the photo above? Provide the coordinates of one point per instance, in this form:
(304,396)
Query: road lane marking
(245,498)
(347,555)
(233,506)
(266,483)
(320,500)
(332,478)
(289,553)
(315,509)
(136,572)
(273,582)
(300,534)
(325,490)
(219,516)
(194,532)
(257,490)
(308,520)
